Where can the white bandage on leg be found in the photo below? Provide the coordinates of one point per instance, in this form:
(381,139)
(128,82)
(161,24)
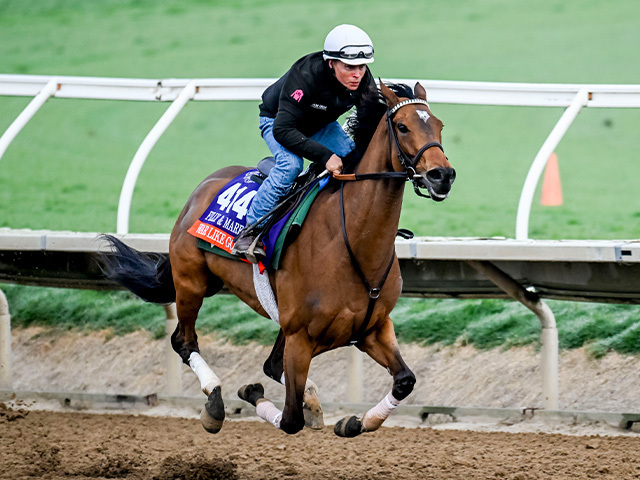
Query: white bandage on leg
(266,410)
(208,379)
(372,420)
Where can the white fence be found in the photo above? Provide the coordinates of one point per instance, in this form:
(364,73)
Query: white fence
(181,91)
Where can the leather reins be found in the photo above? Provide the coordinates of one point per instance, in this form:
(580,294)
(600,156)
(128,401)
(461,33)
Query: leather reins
(410,173)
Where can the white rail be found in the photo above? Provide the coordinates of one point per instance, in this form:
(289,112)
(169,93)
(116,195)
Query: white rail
(180,91)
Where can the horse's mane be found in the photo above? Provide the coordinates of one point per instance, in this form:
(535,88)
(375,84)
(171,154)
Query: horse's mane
(364,122)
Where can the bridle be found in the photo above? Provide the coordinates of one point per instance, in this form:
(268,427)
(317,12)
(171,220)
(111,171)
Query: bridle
(409,164)
(406,161)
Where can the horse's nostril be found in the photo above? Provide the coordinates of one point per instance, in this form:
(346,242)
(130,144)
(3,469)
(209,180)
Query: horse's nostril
(441,175)
(435,175)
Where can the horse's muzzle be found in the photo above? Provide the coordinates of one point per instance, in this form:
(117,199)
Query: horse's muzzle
(438,182)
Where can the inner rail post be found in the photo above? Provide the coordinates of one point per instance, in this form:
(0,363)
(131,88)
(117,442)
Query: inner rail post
(5,343)
(537,167)
(126,194)
(549,331)
(27,114)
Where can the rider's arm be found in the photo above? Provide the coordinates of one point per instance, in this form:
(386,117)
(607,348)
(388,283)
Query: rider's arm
(286,132)
(290,118)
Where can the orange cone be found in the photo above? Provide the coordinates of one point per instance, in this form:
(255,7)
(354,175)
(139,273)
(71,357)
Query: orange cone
(551,186)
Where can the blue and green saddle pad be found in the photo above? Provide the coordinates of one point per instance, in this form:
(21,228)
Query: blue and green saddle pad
(226,217)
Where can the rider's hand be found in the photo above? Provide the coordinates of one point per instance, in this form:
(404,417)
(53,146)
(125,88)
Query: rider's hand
(334,164)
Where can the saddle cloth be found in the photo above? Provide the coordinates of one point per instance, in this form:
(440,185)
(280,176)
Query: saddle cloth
(226,217)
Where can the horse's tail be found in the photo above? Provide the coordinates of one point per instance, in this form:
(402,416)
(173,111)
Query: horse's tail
(147,275)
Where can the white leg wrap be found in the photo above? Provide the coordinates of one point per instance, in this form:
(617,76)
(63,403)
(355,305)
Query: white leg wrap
(208,379)
(372,420)
(269,412)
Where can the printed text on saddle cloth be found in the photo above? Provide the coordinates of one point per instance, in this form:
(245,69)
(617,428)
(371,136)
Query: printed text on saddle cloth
(227,214)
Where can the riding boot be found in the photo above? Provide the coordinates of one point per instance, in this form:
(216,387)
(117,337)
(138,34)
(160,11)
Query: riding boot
(247,245)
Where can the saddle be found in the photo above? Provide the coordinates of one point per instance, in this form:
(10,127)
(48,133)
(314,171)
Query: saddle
(290,201)
(225,217)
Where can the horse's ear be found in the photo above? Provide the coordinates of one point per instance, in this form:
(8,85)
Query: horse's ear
(389,96)
(420,92)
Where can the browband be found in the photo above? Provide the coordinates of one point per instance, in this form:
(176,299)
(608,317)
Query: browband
(406,102)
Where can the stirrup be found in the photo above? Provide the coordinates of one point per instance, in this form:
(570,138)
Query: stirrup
(255,254)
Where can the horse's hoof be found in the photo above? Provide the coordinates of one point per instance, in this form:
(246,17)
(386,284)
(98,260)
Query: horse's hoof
(251,393)
(348,427)
(312,410)
(313,418)
(212,415)
(291,428)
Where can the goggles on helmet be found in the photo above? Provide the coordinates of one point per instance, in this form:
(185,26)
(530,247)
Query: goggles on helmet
(352,52)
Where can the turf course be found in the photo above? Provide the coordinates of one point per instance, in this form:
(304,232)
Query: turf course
(65,170)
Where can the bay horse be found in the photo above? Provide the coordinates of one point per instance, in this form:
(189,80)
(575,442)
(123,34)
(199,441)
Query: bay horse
(338,280)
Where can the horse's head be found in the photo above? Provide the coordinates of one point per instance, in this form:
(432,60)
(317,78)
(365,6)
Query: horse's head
(417,136)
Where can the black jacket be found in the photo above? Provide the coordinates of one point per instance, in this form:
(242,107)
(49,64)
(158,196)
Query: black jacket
(307,98)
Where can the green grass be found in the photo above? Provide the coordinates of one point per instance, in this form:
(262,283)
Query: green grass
(66,168)
(482,323)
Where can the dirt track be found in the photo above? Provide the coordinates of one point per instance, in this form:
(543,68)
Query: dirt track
(77,445)
(53,445)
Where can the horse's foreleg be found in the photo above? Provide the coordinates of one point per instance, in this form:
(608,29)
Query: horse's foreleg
(274,368)
(297,358)
(382,346)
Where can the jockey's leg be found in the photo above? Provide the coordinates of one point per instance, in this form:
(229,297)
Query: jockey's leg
(288,166)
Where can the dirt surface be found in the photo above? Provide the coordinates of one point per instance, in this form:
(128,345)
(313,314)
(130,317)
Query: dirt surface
(50,445)
(453,376)
(171,444)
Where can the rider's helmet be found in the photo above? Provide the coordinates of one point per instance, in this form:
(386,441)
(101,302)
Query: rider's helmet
(349,44)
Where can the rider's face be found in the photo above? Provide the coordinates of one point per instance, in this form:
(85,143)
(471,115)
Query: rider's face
(348,75)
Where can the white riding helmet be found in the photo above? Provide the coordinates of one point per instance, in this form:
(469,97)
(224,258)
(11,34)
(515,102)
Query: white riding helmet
(349,44)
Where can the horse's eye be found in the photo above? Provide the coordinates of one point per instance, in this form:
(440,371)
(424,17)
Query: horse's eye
(402,128)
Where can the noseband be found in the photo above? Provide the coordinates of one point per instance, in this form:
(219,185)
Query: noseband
(409,163)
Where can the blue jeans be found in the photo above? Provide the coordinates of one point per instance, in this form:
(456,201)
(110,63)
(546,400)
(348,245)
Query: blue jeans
(289,165)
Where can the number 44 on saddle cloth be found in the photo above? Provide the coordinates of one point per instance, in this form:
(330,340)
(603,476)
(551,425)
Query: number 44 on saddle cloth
(226,216)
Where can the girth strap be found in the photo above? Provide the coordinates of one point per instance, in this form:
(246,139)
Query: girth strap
(374,292)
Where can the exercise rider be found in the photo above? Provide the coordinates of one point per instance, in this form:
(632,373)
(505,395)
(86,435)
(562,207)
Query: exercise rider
(298,119)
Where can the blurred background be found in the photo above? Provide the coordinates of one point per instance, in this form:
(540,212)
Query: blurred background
(65,169)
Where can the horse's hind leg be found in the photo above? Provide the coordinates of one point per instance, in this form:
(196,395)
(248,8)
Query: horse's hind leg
(190,291)
(382,346)
(274,368)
